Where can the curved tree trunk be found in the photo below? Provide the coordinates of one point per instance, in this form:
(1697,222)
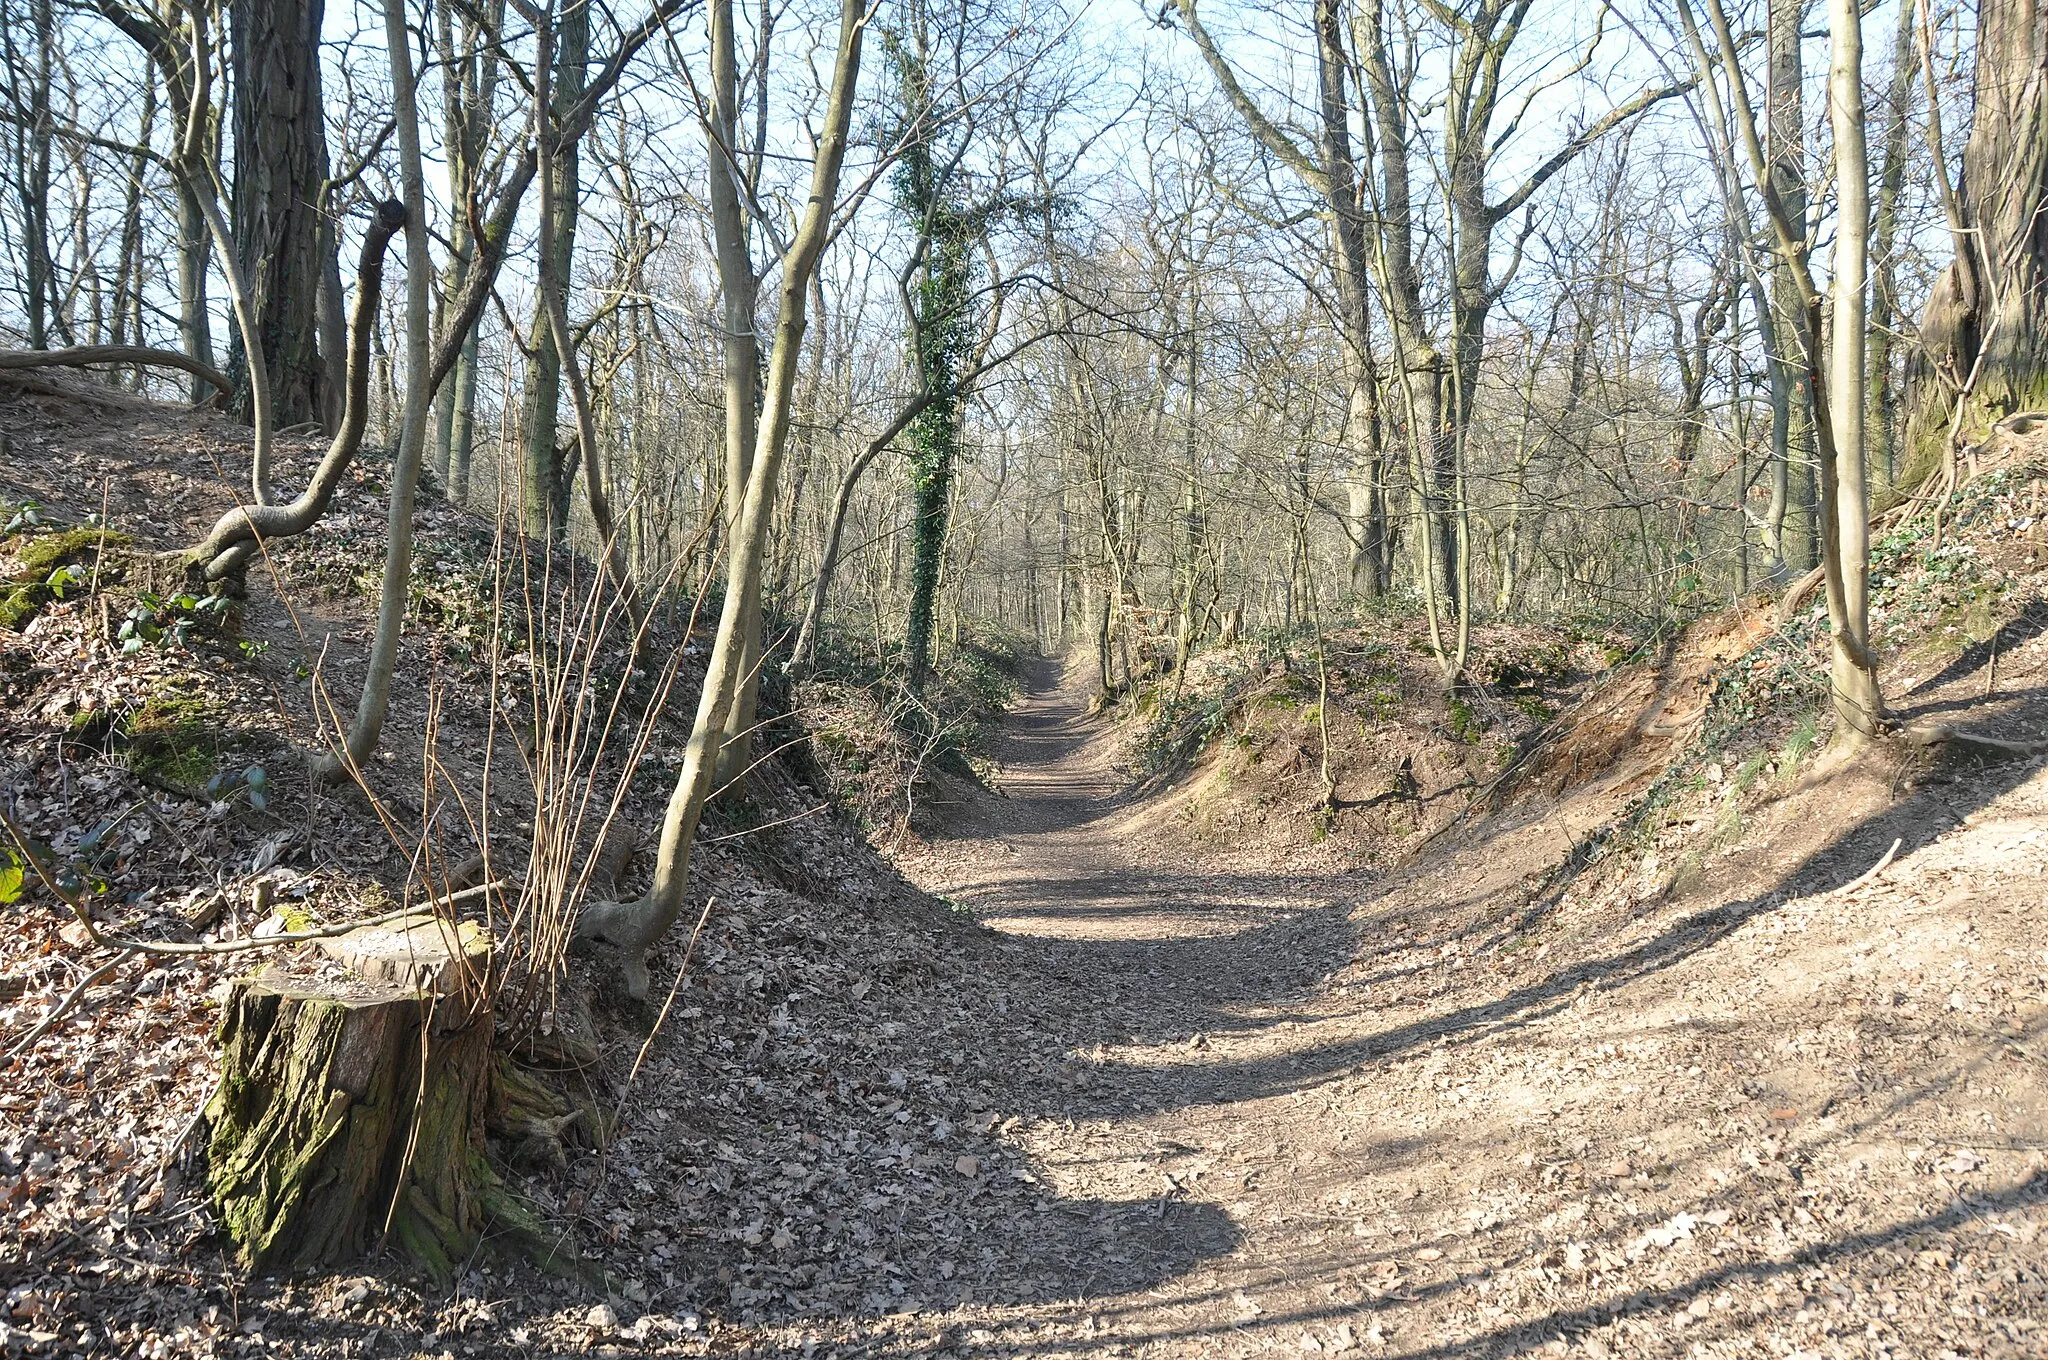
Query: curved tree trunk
(81,356)
(1845,506)
(419,395)
(233,537)
(634,926)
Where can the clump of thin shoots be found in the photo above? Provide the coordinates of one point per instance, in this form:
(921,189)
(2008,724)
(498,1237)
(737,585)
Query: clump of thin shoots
(569,721)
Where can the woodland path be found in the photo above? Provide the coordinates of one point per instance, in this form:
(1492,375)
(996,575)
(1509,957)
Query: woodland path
(1069,867)
(1340,1115)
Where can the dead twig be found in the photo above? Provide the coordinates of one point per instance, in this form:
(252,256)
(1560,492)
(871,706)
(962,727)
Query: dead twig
(79,909)
(63,1007)
(1874,870)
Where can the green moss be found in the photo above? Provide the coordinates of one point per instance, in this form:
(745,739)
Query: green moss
(18,604)
(39,572)
(1466,725)
(171,737)
(1920,459)
(1929,429)
(40,554)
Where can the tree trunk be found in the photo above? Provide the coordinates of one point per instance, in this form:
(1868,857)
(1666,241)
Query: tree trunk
(611,548)
(548,473)
(803,652)
(1985,331)
(31,145)
(469,91)
(280,147)
(634,926)
(1371,571)
(1858,706)
(128,274)
(195,325)
(1791,454)
(232,540)
(396,587)
(738,289)
(1884,305)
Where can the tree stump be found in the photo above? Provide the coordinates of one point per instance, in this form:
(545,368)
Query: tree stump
(352,1102)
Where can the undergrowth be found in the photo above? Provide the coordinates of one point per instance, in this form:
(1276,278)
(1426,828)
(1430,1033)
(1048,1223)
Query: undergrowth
(876,746)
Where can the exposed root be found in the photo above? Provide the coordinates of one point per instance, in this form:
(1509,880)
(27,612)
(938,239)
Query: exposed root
(1941,736)
(620,924)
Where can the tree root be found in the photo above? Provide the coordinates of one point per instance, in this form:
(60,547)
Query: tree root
(622,925)
(82,356)
(1942,737)
(533,1120)
(1798,593)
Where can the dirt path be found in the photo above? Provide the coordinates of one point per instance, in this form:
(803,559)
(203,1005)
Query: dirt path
(1066,865)
(1753,1121)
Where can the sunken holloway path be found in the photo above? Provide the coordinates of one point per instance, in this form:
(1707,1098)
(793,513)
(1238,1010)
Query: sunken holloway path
(1287,1114)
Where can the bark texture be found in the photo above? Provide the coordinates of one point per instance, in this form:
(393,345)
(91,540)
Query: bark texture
(346,1116)
(280,147)
(1984,336)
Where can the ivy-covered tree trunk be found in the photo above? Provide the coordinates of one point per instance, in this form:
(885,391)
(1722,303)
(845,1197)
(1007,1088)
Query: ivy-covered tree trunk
(941,333)
(934,444)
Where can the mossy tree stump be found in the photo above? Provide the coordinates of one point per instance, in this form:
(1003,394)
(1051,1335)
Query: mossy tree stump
(351,1109)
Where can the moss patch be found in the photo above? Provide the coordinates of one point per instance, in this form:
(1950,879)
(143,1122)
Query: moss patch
(172,738)
(47,566)
(1466,725)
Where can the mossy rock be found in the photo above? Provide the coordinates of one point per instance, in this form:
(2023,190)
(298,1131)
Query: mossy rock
(49,565)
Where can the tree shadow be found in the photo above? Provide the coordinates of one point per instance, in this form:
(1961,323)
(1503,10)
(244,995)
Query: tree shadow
(1296,949)
(1268,949)
(2016,632)
(1518,1338)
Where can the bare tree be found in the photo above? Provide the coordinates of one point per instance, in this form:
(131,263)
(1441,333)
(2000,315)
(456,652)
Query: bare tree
(634,926)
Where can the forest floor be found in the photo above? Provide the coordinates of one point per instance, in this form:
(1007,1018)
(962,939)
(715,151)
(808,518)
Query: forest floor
(1726,1092)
